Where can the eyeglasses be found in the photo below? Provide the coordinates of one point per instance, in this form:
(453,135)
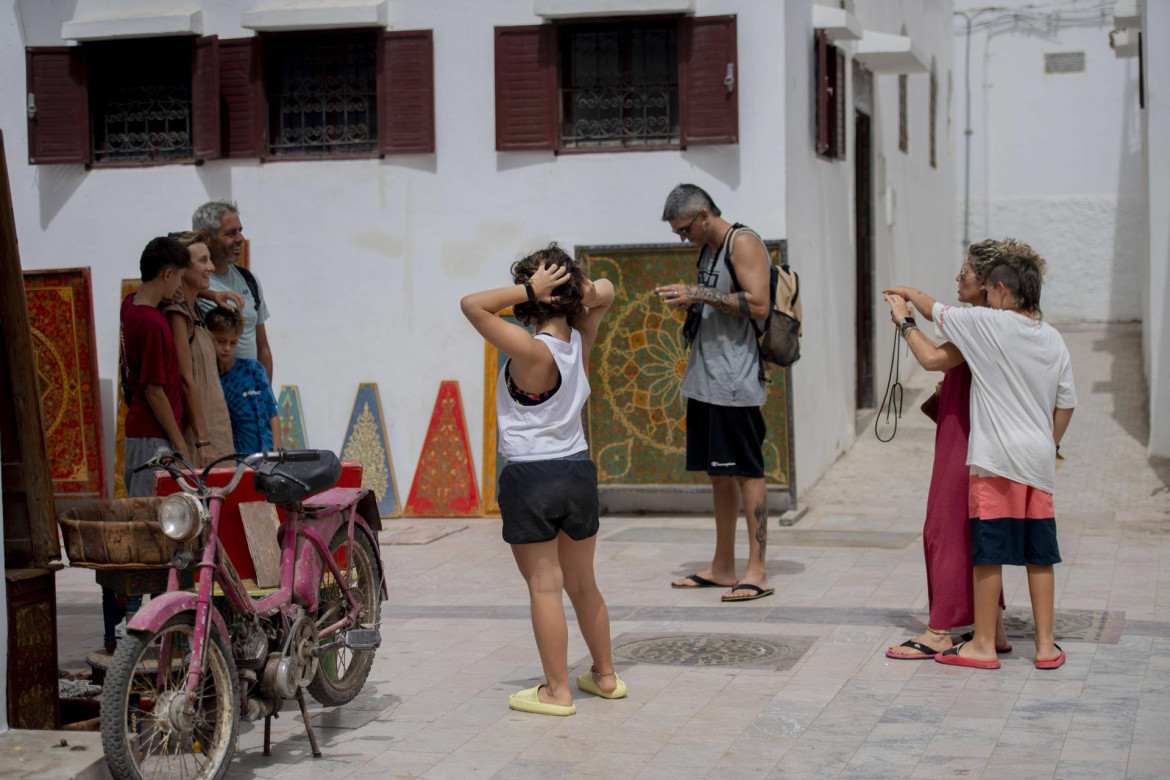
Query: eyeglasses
(964,273)
(685,231)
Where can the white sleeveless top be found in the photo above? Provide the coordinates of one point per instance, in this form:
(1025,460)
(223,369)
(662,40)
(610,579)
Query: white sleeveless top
(552,428)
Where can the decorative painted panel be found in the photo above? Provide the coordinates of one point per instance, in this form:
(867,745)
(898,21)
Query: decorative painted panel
(444,482)
(60,311)
(637,417)
(293,435)
(365,441)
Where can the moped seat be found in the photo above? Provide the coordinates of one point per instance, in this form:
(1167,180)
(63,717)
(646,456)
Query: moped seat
(293,481)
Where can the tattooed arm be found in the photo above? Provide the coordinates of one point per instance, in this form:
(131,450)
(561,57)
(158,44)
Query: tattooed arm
(751,268)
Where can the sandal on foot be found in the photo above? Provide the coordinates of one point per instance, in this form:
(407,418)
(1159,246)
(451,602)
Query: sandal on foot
(759,592)
(925,651)
(952,658)
(586,683)
(1054,663)
(700,582)
(528,700)
(967,637)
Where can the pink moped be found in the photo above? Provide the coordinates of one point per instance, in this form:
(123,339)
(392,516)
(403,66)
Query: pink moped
(188,672)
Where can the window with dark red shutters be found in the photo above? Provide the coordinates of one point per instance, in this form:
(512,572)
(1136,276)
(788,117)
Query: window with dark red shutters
(629,83)
(203,98)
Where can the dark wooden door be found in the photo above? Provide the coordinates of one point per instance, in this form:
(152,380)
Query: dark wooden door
(863,203)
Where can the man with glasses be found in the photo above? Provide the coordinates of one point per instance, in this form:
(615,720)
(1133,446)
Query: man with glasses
(724,382)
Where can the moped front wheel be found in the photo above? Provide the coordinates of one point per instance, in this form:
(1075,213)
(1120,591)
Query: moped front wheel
(149,730)
(342,672)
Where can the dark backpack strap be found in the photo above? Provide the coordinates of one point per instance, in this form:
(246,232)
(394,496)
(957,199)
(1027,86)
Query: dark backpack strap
(250,280)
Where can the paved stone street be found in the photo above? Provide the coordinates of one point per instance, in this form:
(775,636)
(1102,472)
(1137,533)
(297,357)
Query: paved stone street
(813,693)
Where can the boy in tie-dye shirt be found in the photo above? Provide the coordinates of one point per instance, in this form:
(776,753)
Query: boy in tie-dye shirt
(255,420)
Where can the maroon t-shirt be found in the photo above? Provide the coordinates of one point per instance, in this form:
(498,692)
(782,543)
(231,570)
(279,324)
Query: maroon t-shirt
(148,349)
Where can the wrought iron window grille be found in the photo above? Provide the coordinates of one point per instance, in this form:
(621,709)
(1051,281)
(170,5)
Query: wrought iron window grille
(140,113)
(620,86)
(323,96)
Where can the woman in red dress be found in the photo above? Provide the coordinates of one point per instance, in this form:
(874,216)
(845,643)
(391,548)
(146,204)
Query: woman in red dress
(946,534)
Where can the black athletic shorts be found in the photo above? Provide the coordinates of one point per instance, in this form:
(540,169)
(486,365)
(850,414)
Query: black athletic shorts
(541,497)
(725,441)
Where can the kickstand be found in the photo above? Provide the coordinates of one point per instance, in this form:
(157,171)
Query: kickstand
(267,735)
(308,725)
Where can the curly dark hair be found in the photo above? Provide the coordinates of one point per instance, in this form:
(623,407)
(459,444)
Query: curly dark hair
(567,302)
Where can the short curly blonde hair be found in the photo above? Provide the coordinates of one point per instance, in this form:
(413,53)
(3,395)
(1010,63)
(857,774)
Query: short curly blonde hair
(985,254)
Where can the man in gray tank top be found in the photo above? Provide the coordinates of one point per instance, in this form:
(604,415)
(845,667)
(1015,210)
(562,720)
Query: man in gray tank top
(724,382)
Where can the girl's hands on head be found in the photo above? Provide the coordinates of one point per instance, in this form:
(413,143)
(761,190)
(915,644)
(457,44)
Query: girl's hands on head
(546,279)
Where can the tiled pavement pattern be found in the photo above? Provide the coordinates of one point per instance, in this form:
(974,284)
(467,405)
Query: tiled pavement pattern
(457,639)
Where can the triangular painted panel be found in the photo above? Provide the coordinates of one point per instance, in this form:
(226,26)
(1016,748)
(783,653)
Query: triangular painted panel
(444,483)
(293,435)
(365,441)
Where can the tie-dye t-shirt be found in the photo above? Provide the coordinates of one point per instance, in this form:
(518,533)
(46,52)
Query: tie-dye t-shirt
(250,404)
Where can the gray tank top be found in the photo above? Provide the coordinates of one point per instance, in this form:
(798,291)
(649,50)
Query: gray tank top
(723,368)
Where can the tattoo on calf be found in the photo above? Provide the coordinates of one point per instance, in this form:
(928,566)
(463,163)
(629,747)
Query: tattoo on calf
(761,513)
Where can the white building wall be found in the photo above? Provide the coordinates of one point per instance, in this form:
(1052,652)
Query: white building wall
(1056,159)
(364,261)
(1155,335)
(916,247)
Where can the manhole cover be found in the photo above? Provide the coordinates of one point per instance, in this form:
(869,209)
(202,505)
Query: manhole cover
(703,650)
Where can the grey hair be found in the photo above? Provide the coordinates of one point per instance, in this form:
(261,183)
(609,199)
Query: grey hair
(209,216)
(686,200)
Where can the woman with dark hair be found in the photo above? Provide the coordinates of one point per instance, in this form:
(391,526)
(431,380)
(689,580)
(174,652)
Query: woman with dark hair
(548,490)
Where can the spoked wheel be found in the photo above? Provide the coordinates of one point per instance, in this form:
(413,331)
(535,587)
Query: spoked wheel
(149,730)
(342,672)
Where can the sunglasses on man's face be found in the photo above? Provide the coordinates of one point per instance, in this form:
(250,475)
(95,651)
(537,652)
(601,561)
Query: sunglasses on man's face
(684,232)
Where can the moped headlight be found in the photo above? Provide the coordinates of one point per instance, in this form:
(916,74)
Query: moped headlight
(181,516)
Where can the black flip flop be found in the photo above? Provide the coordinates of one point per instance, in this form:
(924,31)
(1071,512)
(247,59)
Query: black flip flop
(759,592)
(927,652)
(700,582)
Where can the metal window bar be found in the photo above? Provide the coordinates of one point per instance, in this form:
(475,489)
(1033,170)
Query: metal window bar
(141,114)
(325,101)
(620,88)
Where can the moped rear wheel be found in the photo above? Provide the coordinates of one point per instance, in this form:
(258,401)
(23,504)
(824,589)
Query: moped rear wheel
(342,672)
(147,731)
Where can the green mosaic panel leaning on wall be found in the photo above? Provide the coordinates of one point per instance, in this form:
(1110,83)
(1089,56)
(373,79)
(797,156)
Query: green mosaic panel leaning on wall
(637,417)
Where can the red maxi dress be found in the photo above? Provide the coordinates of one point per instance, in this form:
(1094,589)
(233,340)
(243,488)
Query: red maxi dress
(946,534)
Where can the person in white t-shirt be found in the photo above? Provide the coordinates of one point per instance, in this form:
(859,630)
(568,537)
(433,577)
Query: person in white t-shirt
(548,490)
(1022,399)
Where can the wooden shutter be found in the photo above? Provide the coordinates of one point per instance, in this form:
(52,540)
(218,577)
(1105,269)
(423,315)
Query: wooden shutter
(406,93)
(837,150)
(241,95)
(708,81)
(821,87)
(58,130)
(526,88)
(205,98)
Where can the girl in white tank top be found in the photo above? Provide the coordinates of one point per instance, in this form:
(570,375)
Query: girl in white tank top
(548,490)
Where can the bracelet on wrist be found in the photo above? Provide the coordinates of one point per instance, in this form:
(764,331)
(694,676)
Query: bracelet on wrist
(905,331)
(531,293)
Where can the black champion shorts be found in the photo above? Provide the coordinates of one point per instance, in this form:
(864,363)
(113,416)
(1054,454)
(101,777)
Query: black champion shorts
(539,498)
(725,441)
